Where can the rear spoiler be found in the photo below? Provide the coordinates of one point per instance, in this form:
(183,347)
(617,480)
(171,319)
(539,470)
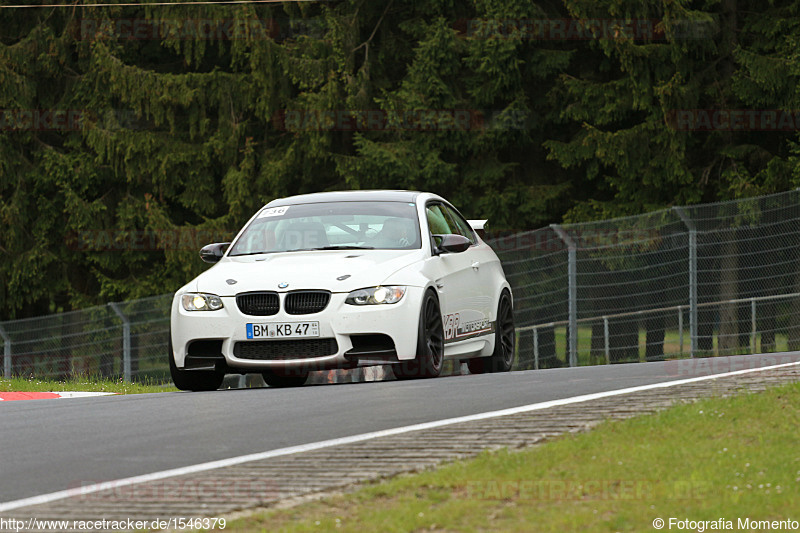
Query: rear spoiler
(479,226)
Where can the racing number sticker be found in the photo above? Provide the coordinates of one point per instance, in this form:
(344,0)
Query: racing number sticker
(273,212)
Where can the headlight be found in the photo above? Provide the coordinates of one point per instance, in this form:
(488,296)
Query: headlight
(376,295)
(201,302)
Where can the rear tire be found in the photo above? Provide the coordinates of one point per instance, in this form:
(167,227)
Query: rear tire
(193,380)
(505,338)
(430,343)
(280,380)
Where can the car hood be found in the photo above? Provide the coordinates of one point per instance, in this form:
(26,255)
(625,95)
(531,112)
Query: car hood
(305,270)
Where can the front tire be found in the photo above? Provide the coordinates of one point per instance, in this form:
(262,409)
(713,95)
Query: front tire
(430,343)
(193,380)
(504,342)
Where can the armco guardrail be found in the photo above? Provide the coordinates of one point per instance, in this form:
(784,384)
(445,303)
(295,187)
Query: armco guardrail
(711,279)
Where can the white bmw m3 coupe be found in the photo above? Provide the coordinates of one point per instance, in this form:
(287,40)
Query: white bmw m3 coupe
(340,280)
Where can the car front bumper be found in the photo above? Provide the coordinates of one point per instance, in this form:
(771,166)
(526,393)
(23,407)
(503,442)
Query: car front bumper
(225,328)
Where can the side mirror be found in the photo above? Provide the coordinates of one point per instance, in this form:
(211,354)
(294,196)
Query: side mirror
(212,253)
(451,244)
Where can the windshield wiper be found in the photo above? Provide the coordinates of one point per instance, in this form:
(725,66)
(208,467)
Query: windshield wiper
(338,247)
(345,247)
(250,253)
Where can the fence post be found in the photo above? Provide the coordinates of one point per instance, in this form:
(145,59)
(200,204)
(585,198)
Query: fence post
(753,325)
(572,274)
(535,348)
(692,278)
(6,353)
(605,340)
(126,341)
(680,329)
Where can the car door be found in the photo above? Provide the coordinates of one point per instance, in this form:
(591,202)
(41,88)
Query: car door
(479,299)
(464,309)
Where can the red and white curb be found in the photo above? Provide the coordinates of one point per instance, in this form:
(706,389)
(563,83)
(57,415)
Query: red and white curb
(11,396)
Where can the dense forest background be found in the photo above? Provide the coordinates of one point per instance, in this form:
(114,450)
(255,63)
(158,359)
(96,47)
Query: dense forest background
(131,136)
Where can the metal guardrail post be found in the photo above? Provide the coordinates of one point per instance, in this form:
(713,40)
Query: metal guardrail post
(6,353)
(572,275)
(753,325)
(606,344)
(692,277)
(126,341)
(535,349)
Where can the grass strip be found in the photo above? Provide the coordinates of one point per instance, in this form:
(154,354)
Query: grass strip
(716,459)
(84,384)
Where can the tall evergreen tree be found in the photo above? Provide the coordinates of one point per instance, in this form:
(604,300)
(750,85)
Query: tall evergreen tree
(190,117)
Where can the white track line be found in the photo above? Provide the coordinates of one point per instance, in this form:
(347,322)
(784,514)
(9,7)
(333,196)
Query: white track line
(203,467)
(81,394)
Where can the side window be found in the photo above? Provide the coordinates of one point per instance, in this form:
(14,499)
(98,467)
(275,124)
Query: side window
(459,225)
(437,220)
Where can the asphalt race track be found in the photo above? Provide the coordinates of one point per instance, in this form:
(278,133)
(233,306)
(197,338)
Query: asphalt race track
(52,445)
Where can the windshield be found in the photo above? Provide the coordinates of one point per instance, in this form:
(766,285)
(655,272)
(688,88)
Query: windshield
(331,226)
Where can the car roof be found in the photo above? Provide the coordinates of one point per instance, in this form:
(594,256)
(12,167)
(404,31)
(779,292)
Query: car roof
(347,196)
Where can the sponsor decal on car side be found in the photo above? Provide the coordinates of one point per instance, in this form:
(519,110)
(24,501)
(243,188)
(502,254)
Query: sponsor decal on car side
(456,329)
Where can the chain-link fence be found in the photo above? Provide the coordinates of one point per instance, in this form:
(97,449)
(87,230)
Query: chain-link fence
(704,280)
(120,340)
(714,279)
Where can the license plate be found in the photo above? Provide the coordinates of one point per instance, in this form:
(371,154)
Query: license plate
(283,330)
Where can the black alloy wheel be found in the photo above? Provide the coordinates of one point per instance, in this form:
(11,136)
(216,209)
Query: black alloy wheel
(504,342)
(430,343)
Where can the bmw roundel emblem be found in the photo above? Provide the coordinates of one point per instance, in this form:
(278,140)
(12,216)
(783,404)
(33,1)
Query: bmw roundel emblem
(282,285)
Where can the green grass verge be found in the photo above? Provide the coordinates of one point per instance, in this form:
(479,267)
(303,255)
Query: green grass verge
(86,384)
(718,458)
